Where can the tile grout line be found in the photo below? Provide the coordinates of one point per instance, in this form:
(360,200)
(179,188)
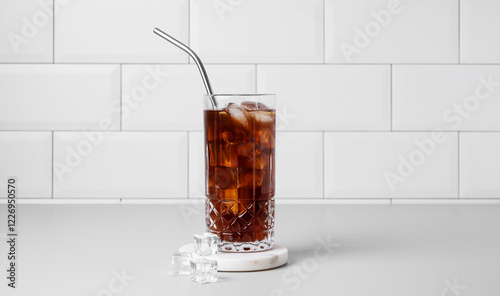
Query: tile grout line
(427,198)
(72,63)
(279,131)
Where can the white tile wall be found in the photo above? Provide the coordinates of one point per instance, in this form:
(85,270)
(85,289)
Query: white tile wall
(391,31)
(479,31)
(299,165)
(451,97)
(329,97)
(258,31)
(26,31)
(120,164)
(196,165)
(27,156)
(113,31)
(479,165)
(398,165)
(59,97)
(169,97)
(341,126)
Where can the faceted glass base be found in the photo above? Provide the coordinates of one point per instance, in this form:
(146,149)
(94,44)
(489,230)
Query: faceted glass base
(243,225)
(261,245)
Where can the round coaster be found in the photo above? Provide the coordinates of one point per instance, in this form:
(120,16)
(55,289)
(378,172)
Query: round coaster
(251,261)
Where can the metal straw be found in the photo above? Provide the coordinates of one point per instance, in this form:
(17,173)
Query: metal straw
(196,59)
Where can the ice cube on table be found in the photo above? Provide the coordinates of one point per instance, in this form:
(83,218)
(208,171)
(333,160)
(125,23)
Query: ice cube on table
(203,270)
(181,263)
(206,244)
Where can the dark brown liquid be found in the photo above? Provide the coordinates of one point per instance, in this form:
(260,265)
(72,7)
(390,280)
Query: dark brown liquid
(239,164)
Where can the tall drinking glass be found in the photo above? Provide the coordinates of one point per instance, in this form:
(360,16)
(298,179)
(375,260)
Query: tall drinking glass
(239,170)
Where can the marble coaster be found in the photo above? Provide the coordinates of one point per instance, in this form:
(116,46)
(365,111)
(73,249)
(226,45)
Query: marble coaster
(252,261)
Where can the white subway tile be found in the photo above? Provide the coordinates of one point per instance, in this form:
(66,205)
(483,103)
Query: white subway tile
(480,165)
(170,97)
(120,165)
(116,31)
(391,31)
(196,165)
(59,97)
(398,165)
(258,31)
(26,30)
(479,31)
(299,165)
(329,97)
(27,156)
(450,97)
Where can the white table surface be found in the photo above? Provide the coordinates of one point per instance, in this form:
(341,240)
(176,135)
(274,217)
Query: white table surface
(385,250)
